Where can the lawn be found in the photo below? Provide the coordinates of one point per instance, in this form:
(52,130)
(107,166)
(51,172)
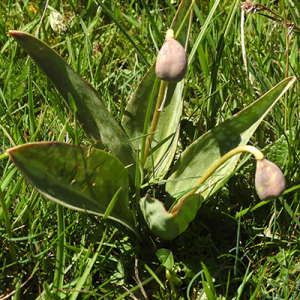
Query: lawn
(117,182)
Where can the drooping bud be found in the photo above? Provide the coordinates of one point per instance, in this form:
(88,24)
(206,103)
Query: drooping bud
(269,180)
(171,62)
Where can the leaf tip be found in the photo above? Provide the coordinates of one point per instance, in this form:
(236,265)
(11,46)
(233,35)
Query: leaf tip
(13,32)
(16,34)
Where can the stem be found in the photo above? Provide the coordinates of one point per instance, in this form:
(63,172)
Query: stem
(250,149)
(162,94)
(4,156)
(139,173)
(8,229)
(159,107)
(270,10)
(243,46)
(147,118)
(75,129)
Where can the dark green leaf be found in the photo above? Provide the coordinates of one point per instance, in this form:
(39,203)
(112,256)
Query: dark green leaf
(75,177)
(96,120)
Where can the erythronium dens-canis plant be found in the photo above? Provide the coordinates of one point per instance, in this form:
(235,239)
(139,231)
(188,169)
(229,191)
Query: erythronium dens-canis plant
(103,177)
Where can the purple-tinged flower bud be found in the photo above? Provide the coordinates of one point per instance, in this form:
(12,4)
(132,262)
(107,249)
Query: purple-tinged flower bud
(269,180)
(171,62)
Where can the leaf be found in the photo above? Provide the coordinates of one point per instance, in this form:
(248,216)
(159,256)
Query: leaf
(168,127)
(94,117)
(278,152)
(204,152)
(76,178)
(168,225)
(120,275)
(165,256)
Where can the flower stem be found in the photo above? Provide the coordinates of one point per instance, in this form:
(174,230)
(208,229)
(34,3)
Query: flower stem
(250,149)
(162,94)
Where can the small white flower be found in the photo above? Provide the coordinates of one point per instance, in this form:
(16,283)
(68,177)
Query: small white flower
(57,21)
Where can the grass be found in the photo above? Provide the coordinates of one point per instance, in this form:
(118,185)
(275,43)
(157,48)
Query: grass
(250,249)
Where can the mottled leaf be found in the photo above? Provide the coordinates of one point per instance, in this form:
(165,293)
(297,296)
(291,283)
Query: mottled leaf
(208,149)
(75,177)
(96,120)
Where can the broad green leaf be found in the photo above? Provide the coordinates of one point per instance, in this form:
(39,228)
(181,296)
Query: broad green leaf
(234,132)
(76,177)
(96,120)
(168,127)
(168,225)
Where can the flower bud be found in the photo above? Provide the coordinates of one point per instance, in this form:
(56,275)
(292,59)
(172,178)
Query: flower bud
(171,62)
(269,180)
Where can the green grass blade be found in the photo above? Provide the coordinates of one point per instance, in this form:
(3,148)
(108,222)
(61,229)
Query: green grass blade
(210,282)
(31,106)
(155,277)
(111,15)
(153,23)
(246,278)
(60,254)
(7,218)
(87,270)
(203,31)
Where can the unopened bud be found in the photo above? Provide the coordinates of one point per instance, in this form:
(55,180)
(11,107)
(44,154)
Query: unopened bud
(171,62)
(269,180)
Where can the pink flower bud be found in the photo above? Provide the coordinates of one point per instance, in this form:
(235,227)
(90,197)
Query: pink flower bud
(269,180)
(171,62)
